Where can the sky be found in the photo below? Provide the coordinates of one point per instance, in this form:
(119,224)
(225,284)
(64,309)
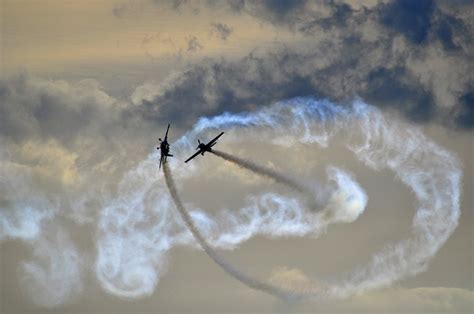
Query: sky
(368,104)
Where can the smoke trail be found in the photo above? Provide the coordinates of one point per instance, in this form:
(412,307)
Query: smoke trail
(219,260)
(318,194)
(272,174)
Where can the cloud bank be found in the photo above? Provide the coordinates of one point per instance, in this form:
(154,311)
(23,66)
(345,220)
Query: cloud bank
(412,58)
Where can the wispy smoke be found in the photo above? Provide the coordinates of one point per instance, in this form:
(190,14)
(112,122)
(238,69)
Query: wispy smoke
(55,274)
(229,268)
(136,224)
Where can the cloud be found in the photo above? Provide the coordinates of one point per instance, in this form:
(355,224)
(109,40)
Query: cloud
(255,80)
(292,279)
(32,107)
(465,113)
(410,18)
(410,57)
(420,299)
(398,89)
(221,30)
(392,300)
(57,139)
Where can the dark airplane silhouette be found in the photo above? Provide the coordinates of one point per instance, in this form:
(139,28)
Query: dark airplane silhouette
(165,147)
(205,147)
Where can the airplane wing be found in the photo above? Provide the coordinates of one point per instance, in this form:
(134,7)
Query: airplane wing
(161,159)
(166,135)
(195,154)
(215,139)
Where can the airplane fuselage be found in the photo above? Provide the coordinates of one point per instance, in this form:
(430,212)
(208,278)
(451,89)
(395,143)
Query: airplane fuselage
(165,148)
(204,148)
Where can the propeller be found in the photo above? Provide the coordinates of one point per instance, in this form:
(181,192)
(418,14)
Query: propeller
(199,144)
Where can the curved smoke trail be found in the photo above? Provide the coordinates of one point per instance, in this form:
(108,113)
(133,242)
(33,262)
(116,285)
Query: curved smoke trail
(227,267)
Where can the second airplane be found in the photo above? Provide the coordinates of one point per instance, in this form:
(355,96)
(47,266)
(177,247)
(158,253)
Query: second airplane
(202,148)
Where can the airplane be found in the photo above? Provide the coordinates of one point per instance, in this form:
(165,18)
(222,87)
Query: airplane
(205,147)
(165,147)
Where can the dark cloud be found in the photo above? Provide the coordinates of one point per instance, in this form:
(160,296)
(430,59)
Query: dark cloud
(36,110)
(341,13)
(212,88)
(221,30)
(257,81)
(80,118)
(451,32)
(339,61)
(465,110)
(279,9)
(383,54)
(395,88)
(410,18)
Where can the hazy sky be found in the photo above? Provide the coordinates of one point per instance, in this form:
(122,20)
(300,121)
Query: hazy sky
(368,103)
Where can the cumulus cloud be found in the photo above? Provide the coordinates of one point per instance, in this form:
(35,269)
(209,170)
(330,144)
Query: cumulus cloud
(39,108)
